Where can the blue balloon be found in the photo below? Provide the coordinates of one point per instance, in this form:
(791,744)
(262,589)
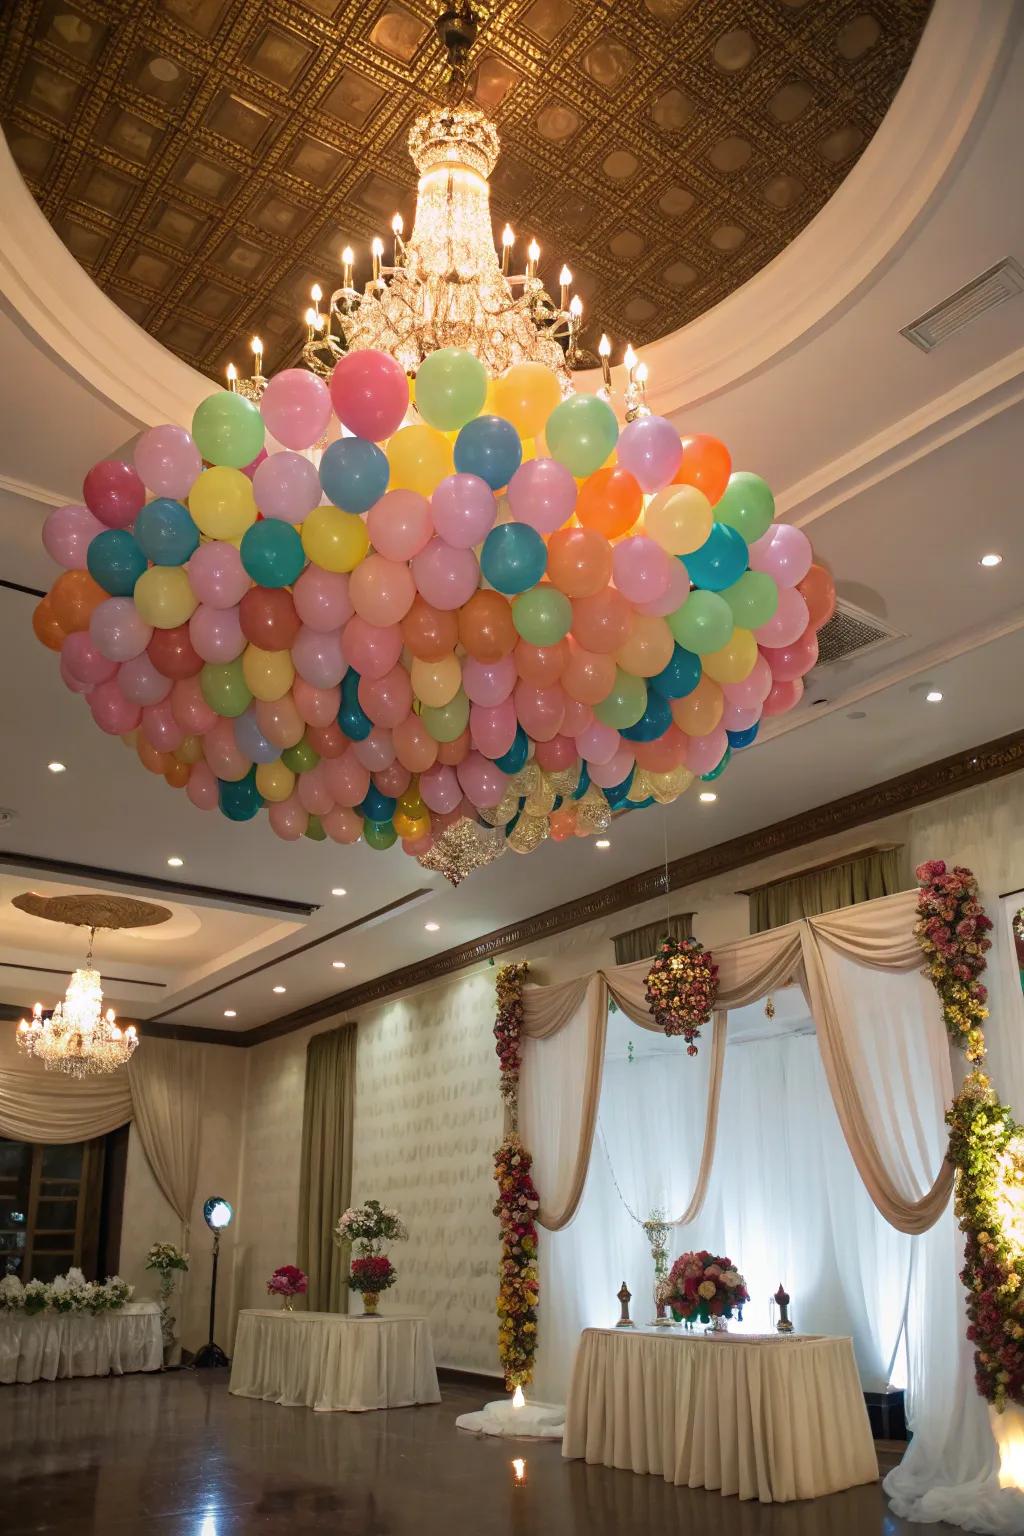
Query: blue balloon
(740,739)
(619,792)
(354,474)
(720,561)
(489,447)
(375,806)
(272,553)
(584,783)
(654,721)
(240,801)
(353,720)
(166,532)
(115,561)
(251,741)
(515,758)
(679,677)
(514,557)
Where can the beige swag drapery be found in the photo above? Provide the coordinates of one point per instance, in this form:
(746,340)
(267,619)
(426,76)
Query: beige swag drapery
(816,953)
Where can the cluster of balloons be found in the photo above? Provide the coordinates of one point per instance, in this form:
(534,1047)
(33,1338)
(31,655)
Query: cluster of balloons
(372,638)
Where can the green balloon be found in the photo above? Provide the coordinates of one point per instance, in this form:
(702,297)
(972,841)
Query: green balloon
(542,615)
(446,722)
(753,599)
(703,624)
(315,830)
(228,429)
(581,433)
(451,387)
(747,505)
(719,768)
(224,688)
(379,834)
(624,703)
(300,758)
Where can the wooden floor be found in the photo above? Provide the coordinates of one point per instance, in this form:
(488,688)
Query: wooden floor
(175,1455)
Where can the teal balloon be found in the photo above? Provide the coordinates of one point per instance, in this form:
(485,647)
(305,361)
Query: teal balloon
(166,533)
(719,562)
(679,677)
(624,703)
(354,474)
(272,553)
(315,830)
(490,448)
(515,758)
(115,561)
(240,801)
(720,766)
(580,433)
(376,806)
(619,793)
(703,624)
(352,719)
(653,723)
(224,688)
(747,505)
(542,615)
(753,599)
(446,722)
(379,834)
(514,557)
(228,429)
(300,758)
(451,387)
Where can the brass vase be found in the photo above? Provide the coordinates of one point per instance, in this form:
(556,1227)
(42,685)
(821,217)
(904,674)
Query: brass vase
(370,1303)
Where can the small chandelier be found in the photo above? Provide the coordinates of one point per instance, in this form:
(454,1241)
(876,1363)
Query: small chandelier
(78,1037)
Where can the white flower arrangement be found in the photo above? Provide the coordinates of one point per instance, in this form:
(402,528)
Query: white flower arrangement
(66,1293)
(12,1294)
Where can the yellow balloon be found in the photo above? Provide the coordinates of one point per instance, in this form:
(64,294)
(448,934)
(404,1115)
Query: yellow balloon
(436,682)
(420,458)
(734,661)
(679,518)
(666,787)
(526,395)
(222,503)
(268,674)
(274,780)
(649,646)
(334,540)
(164,596)
(404,824)
(529,449)
(190,751)
(701,710)
(421,826)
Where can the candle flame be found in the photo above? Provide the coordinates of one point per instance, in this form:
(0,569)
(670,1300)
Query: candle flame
(604,347)
(507,237)
(232,373)
(576,306)
(316,293)
(257,346)
(397,224)
(564,277)
(533,251)
(348,256)
(518,1398)
(629,356)
(378,246)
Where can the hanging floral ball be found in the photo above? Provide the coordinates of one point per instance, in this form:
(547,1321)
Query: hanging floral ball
(681,988)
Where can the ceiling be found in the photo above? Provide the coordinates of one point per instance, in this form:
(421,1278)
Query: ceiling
(205,160)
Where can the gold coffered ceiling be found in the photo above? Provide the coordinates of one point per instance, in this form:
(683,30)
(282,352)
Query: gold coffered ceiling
(205,160)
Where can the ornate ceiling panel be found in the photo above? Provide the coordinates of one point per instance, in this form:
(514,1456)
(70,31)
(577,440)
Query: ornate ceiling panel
(206,160)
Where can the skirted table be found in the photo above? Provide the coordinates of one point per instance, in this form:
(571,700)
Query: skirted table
(770,1417)
(54,1345)
(334,1363)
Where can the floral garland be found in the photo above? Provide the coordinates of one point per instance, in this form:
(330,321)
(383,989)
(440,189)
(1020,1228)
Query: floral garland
(518,1292)
(951,928)
(508,1026)
(681,988)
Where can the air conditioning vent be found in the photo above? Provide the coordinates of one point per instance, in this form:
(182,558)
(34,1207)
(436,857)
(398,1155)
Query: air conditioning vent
(993,287)
(850,632)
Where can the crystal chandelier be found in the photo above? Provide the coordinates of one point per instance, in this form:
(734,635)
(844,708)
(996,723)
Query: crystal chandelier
(78,1038)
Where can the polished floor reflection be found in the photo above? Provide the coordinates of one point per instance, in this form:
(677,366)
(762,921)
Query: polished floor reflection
(175,1455)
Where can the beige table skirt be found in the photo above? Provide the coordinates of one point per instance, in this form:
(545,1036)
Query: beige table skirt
(333,1363)
(53,1345)
(772,1419)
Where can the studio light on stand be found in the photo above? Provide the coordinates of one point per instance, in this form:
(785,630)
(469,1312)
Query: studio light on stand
(218,1215)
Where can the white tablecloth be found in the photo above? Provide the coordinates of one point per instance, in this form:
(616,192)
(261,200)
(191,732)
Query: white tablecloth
(770,1418)
(58,1344)
(330,1362)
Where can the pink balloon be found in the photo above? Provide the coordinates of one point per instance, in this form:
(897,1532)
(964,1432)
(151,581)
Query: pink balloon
(111,711)
(286,486)
(651,450)
(489,682)
(321,598)
(370,393)
(114,493)
(160,728)
(577,717)
(217,576)
(540,710)
(463,509)
(753,690)
(440,789)
(343,825)
(415,748)
(190,708)
(67,534)
(740,717)
(371,649)
(381,591)
(254,464)
(318,657)
(493,727)
(375,751)
(703,753)
(386,700)
(557,754)
(399,524)
(317,706)
(296,408)
(347,779)
(393,780)
(789,661)
(279,721)
(289,818)
(542,493)
(783,696)
(328,740)
(85,661)
(69,679)
(117,629)
(446,577)
(607,774)
(640,569)
(482,781)
(222,752)
(312,790)
(675,594)
(599,744)
(784,553)
(168,461)
(216,633)
(202,787)
(788,622)
(141,682)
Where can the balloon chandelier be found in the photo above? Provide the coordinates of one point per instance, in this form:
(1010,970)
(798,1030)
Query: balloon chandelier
(426,592)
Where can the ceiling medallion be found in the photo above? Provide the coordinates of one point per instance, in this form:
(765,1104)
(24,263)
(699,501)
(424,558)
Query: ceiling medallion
(78,1037)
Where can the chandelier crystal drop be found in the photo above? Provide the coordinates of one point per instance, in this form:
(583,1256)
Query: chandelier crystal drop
(78,1038)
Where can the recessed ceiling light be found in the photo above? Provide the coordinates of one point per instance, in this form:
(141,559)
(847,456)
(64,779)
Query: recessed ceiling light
(175,862)
(933,696)
(339,965)
(280,989)
(339,890)
(707,796)
(229,1013)
(603,842)
(431,927)
(57,767)
(990,560)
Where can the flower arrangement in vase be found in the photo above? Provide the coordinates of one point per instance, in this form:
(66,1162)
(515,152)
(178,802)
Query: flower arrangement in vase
(702,1287)
(168,1261)
(287,1282)
(368,1227)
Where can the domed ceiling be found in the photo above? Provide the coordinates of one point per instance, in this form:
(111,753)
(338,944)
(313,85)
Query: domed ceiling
(206,160)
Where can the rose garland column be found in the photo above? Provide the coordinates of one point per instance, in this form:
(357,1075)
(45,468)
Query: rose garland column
(517,1201)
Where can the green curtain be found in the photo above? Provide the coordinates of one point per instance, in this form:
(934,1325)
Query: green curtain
(325,1182)
(861,878)
(642,943)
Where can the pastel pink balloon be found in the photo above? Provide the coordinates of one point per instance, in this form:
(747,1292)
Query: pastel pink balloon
(754,688)
(675,594)
(381,591)
(482,781)
(784,553)
(599,744)
(783,696)
(375,751)
(463,509)
(640,569)
(279,721)
(190,708)
(160,728)
(542,493)
(141,682)
(217,576)
(414,746)
(312,790)
(416,847)
(650,449)
(296,407)
(328,740)
(216,633)
(114,493)
(393,780)
(85,661)
(254,464)
(317,706)
(168,461)
(493,727)
(446,577)
(399,524)
(289,818)
(386,700)
(347,779)
(540,710)
(67,534)
(342,825)
(370,648)
(614,769)
(740,717)
(577,718)
(489,682)
(370,393)
(69,679)
(202,787)
(321,598)
(789,662)
(117,630)
(440,789)
(557,754)
(703,753)
(788,622)
(222,752)
(286,486)
(111,710)
(318,657)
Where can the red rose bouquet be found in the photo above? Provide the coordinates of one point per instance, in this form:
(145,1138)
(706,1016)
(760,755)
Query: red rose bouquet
(287,1281)
(702,1286)
(376,1273)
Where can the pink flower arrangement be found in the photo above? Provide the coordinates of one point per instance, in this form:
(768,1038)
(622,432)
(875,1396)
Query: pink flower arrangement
(287,1281)
(702,1286)
(951,929)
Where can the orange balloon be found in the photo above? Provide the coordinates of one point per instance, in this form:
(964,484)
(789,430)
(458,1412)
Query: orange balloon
(429,633)
(486,629)
(588,676)
(701,710)
(453,752)
(280,721)
(149,757)
(579,561)
(602,621)
(414,746)
(649,646)
(44,622)
(73,597)
(610,501)
(562,823)
(818,591)
(661,756)
(705,463)
(541,664)
(177,774)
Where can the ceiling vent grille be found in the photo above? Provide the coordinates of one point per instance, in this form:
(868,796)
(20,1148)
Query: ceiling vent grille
(850,632)
(993,287)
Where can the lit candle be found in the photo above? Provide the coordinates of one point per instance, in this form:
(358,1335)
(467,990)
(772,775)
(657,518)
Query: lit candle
(629,358)
(518,1398)
(316,293)
(508,240)
(575,310)
(232,378)
(257,352)
(641,378)
(347,258)
(604,352)
(311,318)
(564,280)
(397,226)
(532,258)
(377,251)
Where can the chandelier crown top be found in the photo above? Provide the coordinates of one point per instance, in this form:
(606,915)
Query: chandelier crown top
(453,135)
